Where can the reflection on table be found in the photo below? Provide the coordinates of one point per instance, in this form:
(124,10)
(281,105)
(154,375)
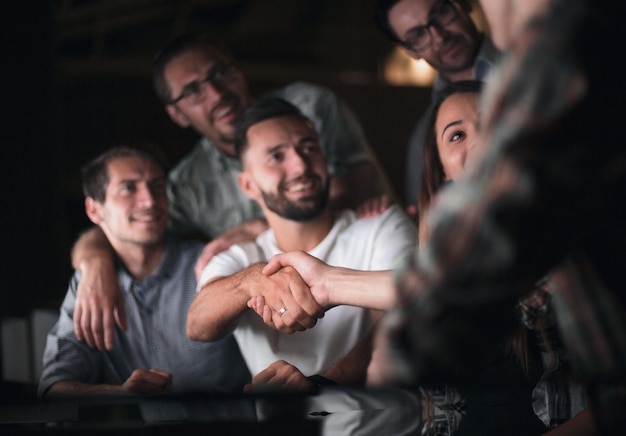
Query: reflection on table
(330,412)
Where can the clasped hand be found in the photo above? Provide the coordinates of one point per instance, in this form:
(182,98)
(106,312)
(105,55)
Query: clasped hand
(303,292)
(285,301)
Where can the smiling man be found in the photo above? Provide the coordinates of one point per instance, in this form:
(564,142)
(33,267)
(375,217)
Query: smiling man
(202,88)
(284,170)
(126,198)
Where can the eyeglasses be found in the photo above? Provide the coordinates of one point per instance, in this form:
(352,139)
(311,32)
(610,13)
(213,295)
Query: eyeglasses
(218,76)
(441,15)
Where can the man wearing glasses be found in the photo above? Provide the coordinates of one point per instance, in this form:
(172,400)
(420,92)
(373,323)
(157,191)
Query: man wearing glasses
(443,34)
(201,87)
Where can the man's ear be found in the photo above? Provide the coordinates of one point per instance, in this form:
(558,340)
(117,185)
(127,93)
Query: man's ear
(177,116)
(247,185)
(93,209)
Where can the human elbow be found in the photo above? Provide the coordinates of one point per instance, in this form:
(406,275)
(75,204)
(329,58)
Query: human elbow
(194,330)
(201,330)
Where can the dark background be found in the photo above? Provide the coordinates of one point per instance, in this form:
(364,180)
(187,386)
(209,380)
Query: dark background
(76,79)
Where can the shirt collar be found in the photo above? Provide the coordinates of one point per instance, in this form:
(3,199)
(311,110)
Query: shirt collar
(163,271)
(227,162)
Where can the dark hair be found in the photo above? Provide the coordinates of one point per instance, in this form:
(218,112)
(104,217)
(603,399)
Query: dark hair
(261,110)
(381,16)
(433,174)
(94,174)
(173,49)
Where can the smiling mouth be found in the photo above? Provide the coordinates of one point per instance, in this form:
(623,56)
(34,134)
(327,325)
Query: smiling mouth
(302,184)
(225,109)
(298,187)
(146,217)
(450,45)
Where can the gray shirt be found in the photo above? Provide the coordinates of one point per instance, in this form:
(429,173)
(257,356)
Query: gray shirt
(156,309)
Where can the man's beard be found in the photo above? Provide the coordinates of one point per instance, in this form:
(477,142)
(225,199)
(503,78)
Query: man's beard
(470,56)
(290,210)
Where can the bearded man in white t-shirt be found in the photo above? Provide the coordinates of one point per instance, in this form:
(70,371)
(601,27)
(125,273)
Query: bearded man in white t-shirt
(284,170)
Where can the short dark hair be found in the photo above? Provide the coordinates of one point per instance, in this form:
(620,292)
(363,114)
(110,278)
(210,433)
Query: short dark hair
(381,16)
(261,110)
(94,174)
(173,49)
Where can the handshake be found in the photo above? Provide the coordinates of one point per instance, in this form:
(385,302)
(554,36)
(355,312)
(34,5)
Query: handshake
(298,288)
(296,294)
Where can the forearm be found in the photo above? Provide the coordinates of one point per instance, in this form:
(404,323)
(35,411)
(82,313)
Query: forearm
(352,369)
(72,389)
(91,244)
(581,425)
(369,289)
(218,306)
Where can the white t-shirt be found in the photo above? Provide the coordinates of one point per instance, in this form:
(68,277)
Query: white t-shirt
(377,243)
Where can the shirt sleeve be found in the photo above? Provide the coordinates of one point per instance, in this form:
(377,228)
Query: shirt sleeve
(229,262)
(65,358)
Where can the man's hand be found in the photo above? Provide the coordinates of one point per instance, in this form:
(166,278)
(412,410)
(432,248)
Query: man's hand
(148,382)
(246,231)
(279,375)
(373,206)
(221,302)
(289,305)
(311,269)
(99,304)
(411,211)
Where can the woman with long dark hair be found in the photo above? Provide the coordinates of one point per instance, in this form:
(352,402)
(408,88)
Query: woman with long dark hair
(449,139)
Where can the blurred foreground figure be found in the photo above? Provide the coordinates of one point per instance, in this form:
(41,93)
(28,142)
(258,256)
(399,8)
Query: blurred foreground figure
(545,197)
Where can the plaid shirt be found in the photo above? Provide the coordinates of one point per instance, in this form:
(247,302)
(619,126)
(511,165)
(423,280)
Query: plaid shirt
(556,398)
(547,193)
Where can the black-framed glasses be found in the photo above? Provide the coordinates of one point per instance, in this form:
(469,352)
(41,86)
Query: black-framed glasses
(441,15)
(195,92)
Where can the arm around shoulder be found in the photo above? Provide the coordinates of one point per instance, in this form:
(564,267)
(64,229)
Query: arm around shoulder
(99,302)
(91,244)
(72,389)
